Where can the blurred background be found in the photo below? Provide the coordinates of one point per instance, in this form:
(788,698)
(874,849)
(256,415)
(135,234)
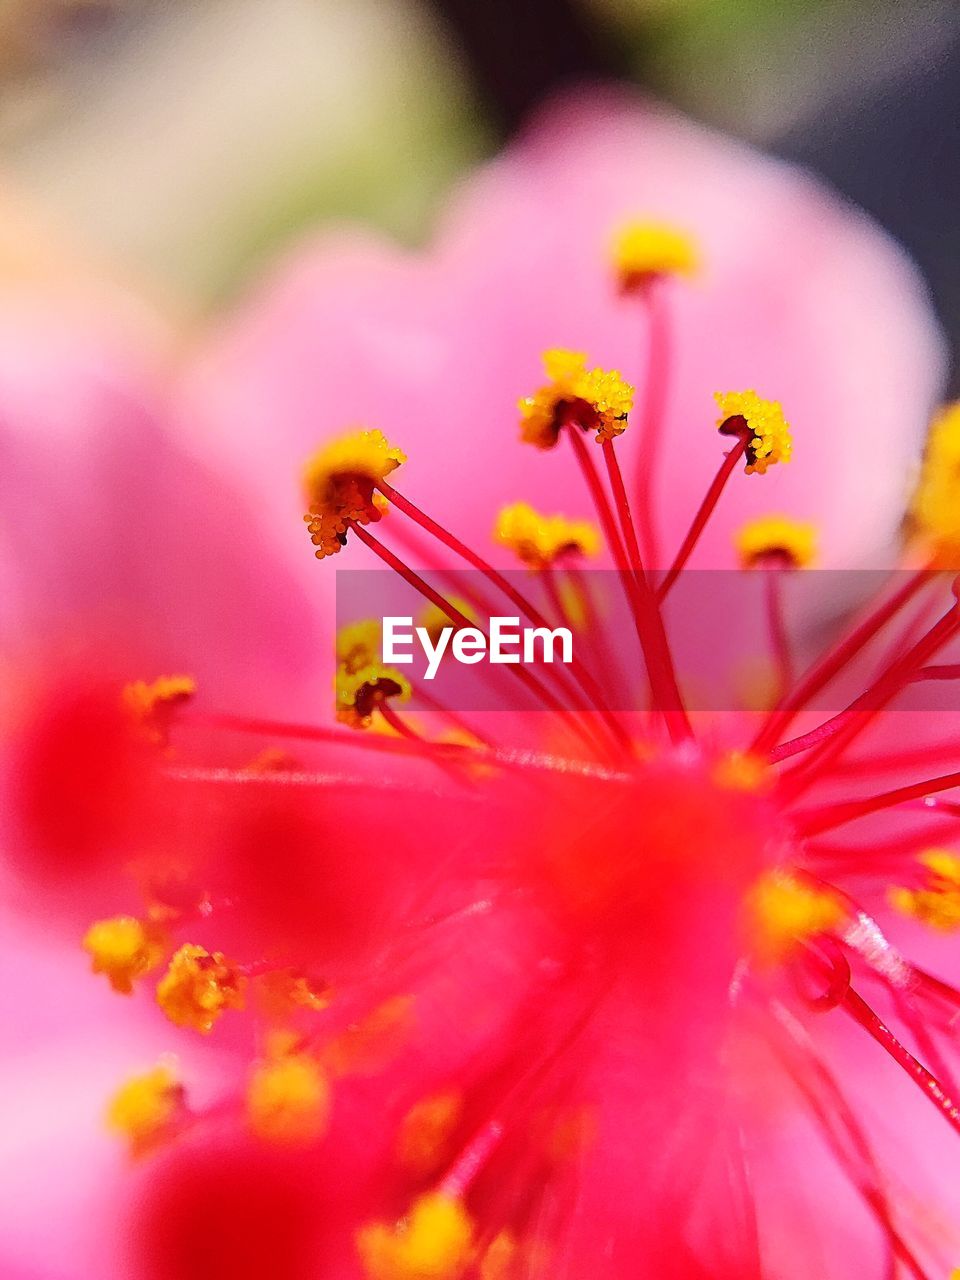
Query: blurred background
(183,141)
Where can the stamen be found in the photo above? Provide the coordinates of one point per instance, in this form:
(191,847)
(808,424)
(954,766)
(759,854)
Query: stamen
(152,706)
(825,818)
(937,901)
(539,540)
(776,545)
(642,600)
(769,438)
(834,661)
(358,645)
(147,1108)
(599,399)
(359,693)
(731,426)
(784,910)
(124,949)
(935,510)
(340,480)
(763,438)
(778,540)
(520,673)
(198,987)
(433,1242)
(593,692)
(863,711)
(652,417)
(288,1099)
(924,1079)
(642,251)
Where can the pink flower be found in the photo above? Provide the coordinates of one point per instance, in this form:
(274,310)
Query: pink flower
(626,1002)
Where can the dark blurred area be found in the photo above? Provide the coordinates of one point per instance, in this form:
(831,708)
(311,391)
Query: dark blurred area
(269,117)
(879,115)
(896,152)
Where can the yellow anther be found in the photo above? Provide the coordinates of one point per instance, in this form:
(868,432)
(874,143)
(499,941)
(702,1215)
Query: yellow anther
(644,250)
(433,1242)
(123,949)
(594,399)
(743,771)
(358,644)
(776,539)
(539,540)
(935,510)
(783,910)
(340,480)
(359,693)
(937,901)
(152,705)
(146,1108)
(198,986)
(435,621)
(769,439)
(288,1100)
(423,1143)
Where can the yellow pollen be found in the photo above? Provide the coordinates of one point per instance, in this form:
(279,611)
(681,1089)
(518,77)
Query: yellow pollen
(595,399)
(123,949)
(743,771)
(198,986)
(935,510)
(358,645)
(777,537)
(145,1109)
(770,440)
(435,621)
(783,910)
(340,480)
(288,1100)
(643,250)
(937,902)
(423,1143)
(538,540)
(151,705)
(359,693)
(433,1242)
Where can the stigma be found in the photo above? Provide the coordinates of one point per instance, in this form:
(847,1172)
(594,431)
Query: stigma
(594,399)
(642,251)
(762,423)
(340,481)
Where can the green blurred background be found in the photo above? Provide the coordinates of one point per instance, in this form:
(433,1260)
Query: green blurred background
(186,140)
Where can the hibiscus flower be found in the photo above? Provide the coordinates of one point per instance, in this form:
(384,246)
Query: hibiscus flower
(602,983)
